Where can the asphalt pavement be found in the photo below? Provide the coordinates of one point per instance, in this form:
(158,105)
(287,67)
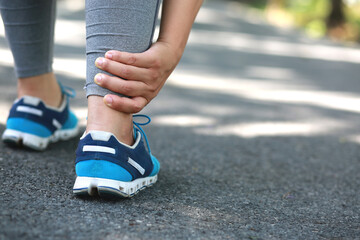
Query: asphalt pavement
(257,132)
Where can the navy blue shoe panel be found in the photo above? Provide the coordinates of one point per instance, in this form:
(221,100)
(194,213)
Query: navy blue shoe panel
(45,119)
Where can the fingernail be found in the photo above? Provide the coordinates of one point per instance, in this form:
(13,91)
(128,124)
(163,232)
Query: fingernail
(98,78)
(108,100)
(99,61)
(109,55)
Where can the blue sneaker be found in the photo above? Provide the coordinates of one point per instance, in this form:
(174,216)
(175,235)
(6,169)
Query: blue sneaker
(108,167)
(33,124)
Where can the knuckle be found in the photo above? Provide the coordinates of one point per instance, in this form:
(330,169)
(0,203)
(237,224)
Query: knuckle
(137,107)
(152,88)
(126,88)
(156,63)
(154,75)
(126,72)
(132,59)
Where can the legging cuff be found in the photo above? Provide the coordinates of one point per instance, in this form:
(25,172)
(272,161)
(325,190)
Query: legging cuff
(24,73)
(94,89)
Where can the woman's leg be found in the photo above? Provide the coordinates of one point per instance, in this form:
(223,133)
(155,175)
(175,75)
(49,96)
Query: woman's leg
(123,25)
(29,27)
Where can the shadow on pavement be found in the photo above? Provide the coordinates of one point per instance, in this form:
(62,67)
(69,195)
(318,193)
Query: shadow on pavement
(252,144)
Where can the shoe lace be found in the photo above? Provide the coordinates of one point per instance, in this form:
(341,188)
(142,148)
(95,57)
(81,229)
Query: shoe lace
(138,126)
(71,93)
(68,91)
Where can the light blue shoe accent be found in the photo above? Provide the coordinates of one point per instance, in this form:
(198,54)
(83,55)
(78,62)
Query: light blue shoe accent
(102,169)
(27,126)
(71,122)
(156,166)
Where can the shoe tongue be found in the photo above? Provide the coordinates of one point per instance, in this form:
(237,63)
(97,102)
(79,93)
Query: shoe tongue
(100,135)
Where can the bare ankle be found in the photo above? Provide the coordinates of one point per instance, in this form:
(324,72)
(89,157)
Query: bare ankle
(43,86)
(103,118)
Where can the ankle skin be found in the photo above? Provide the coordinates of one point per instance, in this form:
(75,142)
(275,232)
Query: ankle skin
(103,118)
(43,86)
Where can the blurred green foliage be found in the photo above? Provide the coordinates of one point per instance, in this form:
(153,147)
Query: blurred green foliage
(310,14)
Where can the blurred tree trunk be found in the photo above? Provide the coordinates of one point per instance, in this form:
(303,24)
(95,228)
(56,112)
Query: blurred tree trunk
(336,17)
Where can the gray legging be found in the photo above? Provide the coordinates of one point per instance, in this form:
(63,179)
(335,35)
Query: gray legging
(124,25)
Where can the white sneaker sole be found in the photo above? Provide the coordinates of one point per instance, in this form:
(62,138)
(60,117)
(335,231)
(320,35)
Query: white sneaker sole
(35,142)
(108,187)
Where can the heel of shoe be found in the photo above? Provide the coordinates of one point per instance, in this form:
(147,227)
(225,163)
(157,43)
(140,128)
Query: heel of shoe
(17,138)
(111,188)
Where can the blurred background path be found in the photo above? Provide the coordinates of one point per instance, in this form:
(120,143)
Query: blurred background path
(257,132)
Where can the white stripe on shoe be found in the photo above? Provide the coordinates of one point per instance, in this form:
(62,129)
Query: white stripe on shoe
(29,110)
(137,166)
(56,123)
(92,148)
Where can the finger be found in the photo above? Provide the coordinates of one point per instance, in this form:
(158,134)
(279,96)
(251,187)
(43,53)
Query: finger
(122,70)
(124,104)
(135,59)
(126,87)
